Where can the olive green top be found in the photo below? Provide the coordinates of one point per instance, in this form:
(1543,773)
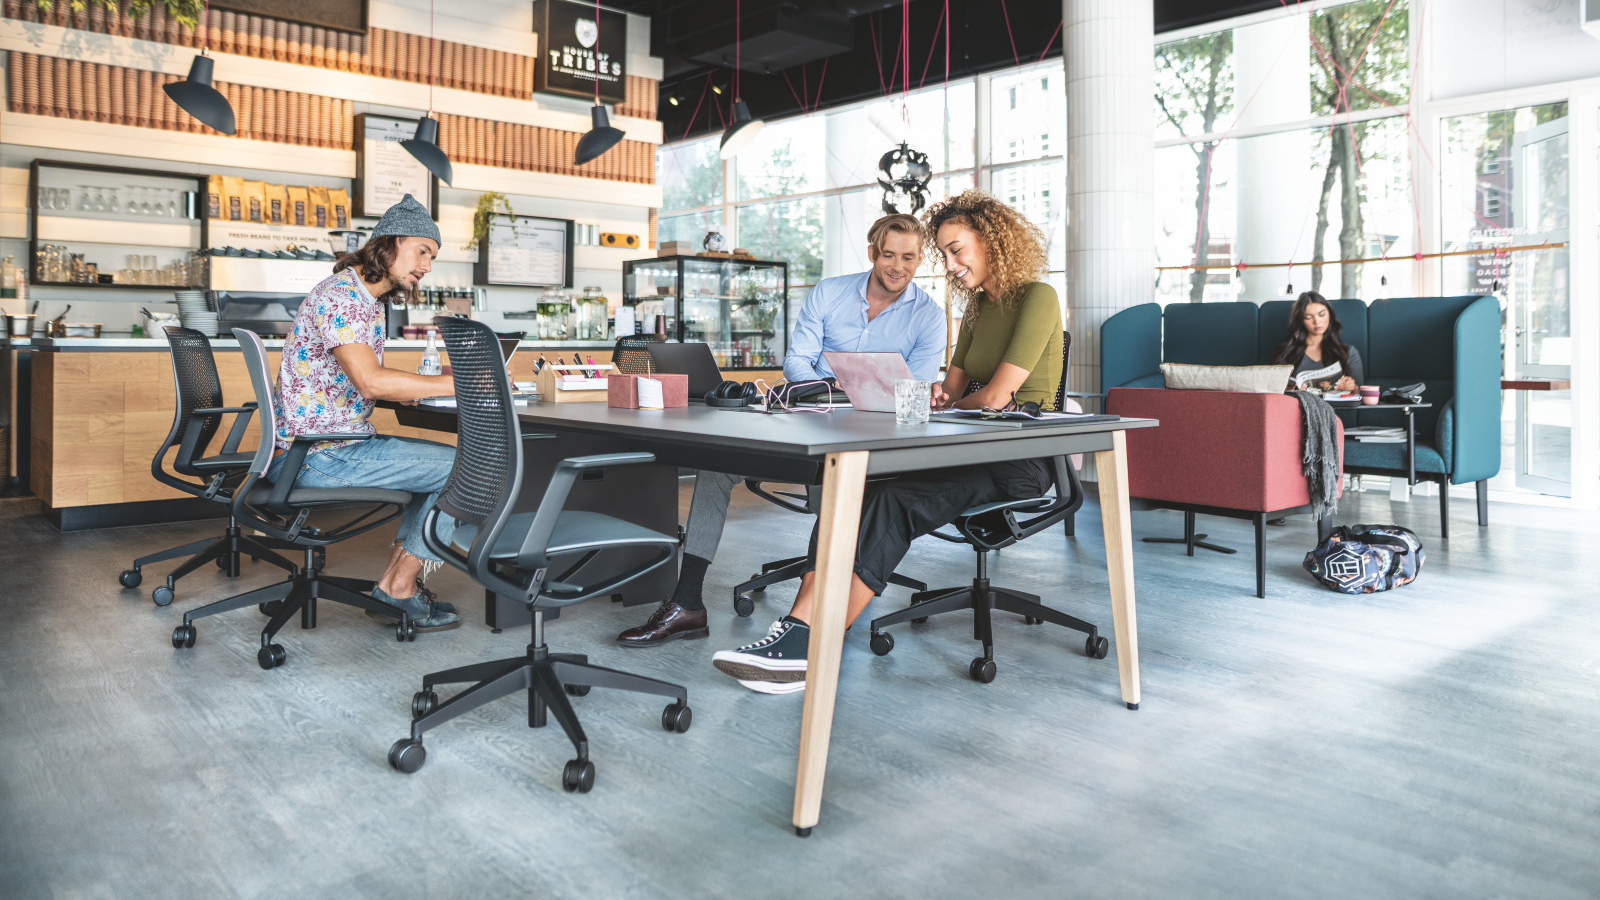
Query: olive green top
(1025,332)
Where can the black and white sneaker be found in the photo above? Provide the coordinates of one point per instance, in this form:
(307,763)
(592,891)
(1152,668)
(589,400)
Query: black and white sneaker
(779,657)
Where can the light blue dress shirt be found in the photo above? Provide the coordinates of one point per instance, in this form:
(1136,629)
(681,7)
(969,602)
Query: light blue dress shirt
(834,317)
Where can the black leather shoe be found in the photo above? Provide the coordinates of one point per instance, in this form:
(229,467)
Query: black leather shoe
(669,622)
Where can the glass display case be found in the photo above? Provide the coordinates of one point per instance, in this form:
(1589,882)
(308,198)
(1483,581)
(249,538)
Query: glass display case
(107,226)
(738,306)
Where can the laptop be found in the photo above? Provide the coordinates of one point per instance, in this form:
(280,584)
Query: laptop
(693,359)
(868,378)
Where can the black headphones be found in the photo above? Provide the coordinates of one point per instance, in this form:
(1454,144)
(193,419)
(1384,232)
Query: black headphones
(733,394)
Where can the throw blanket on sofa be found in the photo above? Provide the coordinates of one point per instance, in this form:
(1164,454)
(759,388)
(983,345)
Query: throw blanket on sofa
(1319,458)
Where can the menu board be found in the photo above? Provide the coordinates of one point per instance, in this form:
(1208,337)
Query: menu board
(386,171)
(528,251)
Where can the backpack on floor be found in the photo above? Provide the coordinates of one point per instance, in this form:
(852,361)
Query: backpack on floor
(1365,559)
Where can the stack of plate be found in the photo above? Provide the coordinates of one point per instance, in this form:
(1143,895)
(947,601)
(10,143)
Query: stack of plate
(195,312)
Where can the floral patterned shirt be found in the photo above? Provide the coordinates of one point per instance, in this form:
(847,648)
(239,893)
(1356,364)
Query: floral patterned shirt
(313,395)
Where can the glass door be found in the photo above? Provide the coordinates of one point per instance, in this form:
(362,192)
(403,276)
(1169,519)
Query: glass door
(1539,306)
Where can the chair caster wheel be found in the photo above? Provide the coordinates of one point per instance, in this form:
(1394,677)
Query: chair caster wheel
(1030,620)
(676,717)
(162,596)
(744,606)
(222,562)
(271,656)
(1096,647)
(423,702)
(982,670)
(130,578)
(921,621)
(183,637)
(802,832)
(882,643)
(407,755)
(270,608)
(577,690)
(405,631)
(577,776)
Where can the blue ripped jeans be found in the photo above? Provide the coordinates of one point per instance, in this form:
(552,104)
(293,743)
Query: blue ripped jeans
(400,463)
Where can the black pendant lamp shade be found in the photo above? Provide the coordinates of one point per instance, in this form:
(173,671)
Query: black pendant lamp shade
(741,132)
(599,139)
(424,145)
(195,96)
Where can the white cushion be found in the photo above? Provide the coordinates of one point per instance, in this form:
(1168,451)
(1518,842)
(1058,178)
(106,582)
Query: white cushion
(1245,379)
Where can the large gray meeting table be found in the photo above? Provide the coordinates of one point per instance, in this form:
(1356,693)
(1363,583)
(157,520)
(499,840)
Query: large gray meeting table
(839,449)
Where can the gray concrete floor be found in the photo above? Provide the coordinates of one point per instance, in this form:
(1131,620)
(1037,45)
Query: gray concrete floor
(1438,741)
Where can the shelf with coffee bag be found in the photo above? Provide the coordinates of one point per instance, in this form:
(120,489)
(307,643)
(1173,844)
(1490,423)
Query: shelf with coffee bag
(113,227)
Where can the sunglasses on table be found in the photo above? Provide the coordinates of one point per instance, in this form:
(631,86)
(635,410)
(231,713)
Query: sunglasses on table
(1027,408)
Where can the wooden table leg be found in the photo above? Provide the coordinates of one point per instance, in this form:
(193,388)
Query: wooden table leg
(844,476)
(1111,466)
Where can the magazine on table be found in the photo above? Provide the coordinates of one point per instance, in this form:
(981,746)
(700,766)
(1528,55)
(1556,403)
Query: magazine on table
(1315,379)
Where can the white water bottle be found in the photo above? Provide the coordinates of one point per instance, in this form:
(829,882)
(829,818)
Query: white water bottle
(430,358)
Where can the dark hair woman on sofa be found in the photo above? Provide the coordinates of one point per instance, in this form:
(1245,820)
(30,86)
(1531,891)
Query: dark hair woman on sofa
(1314,343)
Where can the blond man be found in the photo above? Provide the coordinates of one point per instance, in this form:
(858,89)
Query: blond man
(880,310)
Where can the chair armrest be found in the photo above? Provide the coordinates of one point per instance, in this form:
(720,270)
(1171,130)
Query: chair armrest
(333,436)
(754,485)
(1031,503)
(219,410)
(555,495)
(1227,449)
(241,421)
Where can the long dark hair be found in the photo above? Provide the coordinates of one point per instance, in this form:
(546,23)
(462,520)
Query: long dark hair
(1293,348)
(372,263)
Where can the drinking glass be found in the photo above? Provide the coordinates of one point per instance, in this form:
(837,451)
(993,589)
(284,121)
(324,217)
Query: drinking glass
(912,398)
(144,205)
(113,206)
(99,200)
(172,204)
(83,198)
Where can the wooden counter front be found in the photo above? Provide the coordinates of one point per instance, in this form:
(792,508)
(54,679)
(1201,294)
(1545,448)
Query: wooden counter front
(100,415)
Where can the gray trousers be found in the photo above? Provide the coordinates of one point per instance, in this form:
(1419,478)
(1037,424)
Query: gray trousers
(708,511)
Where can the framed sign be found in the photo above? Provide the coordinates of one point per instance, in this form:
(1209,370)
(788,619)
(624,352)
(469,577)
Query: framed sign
(575,50)
(385,171)
(526,251)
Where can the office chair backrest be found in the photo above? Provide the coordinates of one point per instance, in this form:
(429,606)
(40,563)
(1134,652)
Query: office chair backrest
(631,356)
(1066,357)
(255,362)
(194,374)
(487,474)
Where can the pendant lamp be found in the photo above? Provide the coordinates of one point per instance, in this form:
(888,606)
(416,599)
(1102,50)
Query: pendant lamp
(599,139)
(195,95)
(601,136)
(744,129)
(423,145)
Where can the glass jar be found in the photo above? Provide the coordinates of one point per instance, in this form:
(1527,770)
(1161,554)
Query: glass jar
(591,312)
(552,311)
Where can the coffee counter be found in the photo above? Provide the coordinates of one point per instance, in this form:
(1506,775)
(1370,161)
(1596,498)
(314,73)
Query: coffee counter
(102,406)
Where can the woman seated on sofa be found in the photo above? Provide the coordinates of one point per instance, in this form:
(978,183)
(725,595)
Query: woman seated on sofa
(1314,344)
(1011,345)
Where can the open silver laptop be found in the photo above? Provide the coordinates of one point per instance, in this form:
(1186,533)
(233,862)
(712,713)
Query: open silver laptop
(868,378)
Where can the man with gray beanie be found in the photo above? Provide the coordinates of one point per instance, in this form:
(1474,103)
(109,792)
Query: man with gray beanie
(331,377)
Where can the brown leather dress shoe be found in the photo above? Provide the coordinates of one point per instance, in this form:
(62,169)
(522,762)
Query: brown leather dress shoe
(669,622)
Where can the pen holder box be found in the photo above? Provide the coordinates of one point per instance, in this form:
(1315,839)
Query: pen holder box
(622,391)
(576,387)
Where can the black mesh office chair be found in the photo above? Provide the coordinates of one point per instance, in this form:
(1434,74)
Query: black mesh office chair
(196,422)
(533,555)
(995,526)
(632,354)
(283,511)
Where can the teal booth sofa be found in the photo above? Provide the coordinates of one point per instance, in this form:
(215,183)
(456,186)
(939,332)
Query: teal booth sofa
(1450,343)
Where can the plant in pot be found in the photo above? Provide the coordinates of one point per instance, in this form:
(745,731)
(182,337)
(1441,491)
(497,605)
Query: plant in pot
(490,204)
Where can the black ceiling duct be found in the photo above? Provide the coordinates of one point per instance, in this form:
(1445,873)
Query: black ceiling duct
(777,34)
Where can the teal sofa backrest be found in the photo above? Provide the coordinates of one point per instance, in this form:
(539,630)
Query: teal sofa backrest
(1210,334)
(1130,348)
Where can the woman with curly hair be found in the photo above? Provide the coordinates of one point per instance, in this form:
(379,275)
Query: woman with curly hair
(1010,350)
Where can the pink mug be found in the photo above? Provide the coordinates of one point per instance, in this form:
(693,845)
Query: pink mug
(1369,394)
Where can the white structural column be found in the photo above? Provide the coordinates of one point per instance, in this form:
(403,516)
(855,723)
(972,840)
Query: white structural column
(1110,160)
(1272,83)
